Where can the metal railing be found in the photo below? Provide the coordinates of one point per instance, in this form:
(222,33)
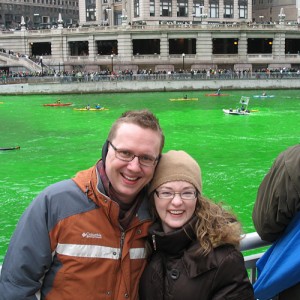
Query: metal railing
(83,77)
(252,241)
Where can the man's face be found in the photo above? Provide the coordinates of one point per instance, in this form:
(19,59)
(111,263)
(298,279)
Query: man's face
(129,178)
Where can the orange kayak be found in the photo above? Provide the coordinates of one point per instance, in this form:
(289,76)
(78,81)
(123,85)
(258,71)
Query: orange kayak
(58,104)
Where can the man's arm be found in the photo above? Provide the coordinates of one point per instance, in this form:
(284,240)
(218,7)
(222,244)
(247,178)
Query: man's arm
(29,254)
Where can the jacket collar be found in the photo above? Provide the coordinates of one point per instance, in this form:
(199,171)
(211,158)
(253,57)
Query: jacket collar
(175,242)
(90,183)
(183,243)
(87,181)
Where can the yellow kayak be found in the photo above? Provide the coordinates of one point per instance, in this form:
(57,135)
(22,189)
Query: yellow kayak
(184,99)
(91,109)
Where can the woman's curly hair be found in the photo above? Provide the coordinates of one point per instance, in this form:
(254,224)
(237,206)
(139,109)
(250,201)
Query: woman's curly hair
(215,226)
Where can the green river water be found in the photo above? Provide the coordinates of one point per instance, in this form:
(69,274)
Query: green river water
(234,152)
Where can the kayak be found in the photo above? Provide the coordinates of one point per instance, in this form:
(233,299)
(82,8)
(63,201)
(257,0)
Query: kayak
(58,104)
(184,99)
(10,148)
(90,109)
(263,96)
(216,95)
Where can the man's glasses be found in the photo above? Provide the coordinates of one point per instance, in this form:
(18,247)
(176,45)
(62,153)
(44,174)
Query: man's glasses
(125,155)
(169,195)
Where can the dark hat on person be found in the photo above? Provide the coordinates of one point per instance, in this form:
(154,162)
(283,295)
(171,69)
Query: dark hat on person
(176,166)
(284,176)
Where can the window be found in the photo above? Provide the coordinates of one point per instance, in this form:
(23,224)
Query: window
(136,8)
(243,9)
(166,8)
(152,8)
(182,8)
(228,9)
(214,10)
(118,18)
(198,8)
(90,10)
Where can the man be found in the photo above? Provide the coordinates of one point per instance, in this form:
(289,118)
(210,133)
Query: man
(84,238)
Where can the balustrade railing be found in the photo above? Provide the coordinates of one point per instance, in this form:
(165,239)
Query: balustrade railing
(83,77)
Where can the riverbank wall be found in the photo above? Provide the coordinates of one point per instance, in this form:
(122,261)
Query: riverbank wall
(116,86)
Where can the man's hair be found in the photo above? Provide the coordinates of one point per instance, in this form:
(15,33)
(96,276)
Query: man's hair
(143,118)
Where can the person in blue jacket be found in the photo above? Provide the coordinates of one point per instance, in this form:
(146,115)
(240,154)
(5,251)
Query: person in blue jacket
(276,217)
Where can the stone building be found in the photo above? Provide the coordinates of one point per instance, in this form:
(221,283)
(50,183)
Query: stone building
(37,14)
(266,11)
(165,47)
(161,35)
(154,12)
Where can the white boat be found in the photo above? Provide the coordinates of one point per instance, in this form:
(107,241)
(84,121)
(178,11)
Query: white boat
(240,111)
(236,111)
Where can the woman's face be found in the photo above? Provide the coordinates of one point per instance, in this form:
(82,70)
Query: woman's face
(176,212)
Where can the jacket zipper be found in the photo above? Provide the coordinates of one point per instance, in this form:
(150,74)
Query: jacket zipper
(122,242)
(154,241)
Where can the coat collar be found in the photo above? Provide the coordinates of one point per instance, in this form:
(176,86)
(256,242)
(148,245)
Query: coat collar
(90,183)
(184,245)
(175,242)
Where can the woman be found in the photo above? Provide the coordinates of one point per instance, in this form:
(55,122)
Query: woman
(193,241)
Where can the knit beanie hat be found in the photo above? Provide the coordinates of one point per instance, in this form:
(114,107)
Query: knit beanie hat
(176,166)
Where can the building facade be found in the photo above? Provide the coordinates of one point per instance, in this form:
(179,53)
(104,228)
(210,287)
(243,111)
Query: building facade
(270,11)
(154,12)
(161,35)
(37,14)
(164,47)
